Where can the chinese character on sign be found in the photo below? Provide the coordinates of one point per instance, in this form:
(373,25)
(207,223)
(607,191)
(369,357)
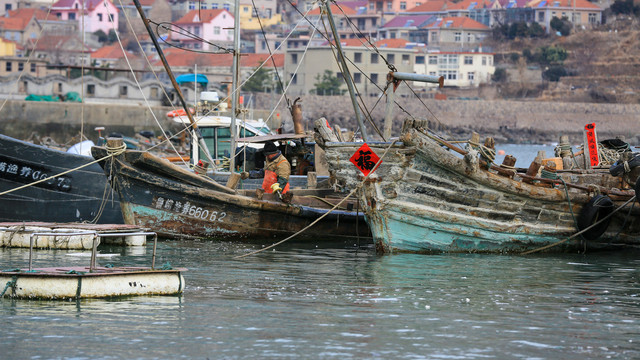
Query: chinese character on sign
(592,144)
(365,159)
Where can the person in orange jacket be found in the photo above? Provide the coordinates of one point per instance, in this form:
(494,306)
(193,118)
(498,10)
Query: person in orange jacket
(276,172)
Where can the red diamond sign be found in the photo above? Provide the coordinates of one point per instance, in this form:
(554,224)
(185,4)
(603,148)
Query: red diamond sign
(365,159)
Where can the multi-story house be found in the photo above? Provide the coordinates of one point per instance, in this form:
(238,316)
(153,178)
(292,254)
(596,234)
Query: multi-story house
(368,69)
(461,33)
(158,10)
(24,24)
(214,26)
(461,69)
(578,12)
(478,10)
(408,27)
(60,50)
(91,15)
(180,7)
(266,10)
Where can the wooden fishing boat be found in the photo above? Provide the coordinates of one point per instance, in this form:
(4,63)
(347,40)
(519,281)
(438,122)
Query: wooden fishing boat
(81,195)
(428,195)
(79,282)
(179,203)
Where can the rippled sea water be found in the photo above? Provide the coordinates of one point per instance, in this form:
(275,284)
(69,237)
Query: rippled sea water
(337,301)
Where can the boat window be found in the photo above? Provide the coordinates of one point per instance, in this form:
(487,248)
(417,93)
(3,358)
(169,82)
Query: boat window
(208,135)
(224,142)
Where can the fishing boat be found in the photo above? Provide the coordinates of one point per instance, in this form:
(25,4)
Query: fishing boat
(427,195)
(79,196)
(180,203)
(80,282)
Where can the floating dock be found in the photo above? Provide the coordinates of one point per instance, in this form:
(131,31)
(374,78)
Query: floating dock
(91,281)
(18,234)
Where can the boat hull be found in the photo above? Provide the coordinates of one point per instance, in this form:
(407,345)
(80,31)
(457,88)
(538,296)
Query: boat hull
(179,204)
(79,196)
(76,283)
(425,199)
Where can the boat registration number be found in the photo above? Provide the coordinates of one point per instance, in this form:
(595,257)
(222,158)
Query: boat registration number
(188,209)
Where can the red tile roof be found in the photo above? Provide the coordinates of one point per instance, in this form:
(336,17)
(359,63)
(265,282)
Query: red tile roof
(204,16)
(469,4)
(461,22)
(430,6)
(12,24)
(337,11)
(182,58)
(28,13)
(111,52)
(392,43)
(578,4)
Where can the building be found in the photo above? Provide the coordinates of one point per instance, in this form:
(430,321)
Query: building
(460,69)
(266,10)
(578,12)
(408,27)
(215,27)
(158,10)
(91,15)
(461,33)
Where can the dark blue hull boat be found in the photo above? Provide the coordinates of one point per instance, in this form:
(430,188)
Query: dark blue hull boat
(79,196)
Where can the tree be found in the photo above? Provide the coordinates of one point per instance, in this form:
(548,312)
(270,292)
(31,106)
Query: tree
(499,76)
(563,26)
(261,81)
(102,37)
(554,73)
(112,37)
(327,84)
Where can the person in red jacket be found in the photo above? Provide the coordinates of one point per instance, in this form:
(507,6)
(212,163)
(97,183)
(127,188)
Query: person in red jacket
(276,172)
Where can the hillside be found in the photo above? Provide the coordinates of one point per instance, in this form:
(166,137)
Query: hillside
(603,65)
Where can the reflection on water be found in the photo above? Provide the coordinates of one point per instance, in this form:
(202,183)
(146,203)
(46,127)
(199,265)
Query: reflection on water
(318,301)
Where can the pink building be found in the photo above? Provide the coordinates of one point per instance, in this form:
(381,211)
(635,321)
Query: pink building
(215,26)
(97,15)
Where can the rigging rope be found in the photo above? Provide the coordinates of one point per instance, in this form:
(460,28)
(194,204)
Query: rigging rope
(328,212)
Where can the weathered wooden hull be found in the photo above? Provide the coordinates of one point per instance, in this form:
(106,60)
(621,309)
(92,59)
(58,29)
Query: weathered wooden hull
(77,283)
(74,197)
(179,204)
(424,198)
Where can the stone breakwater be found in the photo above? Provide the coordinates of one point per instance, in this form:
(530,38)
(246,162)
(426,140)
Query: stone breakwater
(507,121)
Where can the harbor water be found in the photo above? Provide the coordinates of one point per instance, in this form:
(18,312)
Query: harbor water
(328,301)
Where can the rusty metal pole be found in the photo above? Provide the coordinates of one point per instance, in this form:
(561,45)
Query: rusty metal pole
(345,71)
(173,81)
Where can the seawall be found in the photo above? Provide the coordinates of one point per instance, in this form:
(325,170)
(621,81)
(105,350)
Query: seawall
(507,121)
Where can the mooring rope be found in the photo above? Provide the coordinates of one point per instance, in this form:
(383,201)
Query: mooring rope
(328,212)
(114,152)
(10,284)
(581,231)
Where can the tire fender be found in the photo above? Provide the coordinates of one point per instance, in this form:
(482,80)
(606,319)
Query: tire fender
(594,211)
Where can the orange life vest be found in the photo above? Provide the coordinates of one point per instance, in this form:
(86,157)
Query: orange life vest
(270,178)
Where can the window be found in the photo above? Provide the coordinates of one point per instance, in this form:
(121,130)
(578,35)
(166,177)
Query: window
(357,78)
(468,60)
(124,90)
(434,36)
(391,58)
(392,34)
(433,60)
(403,5)
(154,92)
(91,89)
(484,61)
(196,30)
(33,67)
(541,16)
(469,38)
(294,58)
(8,66)
(374,58)
(20,66)
(7,7)
(470,76)
(592,18)
(361,23)
(457,37)
(405,59)
(226,6)
(420,59)
(100,17)
(192,5)
(203,6)
(59,87)
(372,6)
(389,5)
(110,18)
(374,78)
(357,57)
(449,74)
(72,16)
(216,30)
(214,6)
(294,79)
